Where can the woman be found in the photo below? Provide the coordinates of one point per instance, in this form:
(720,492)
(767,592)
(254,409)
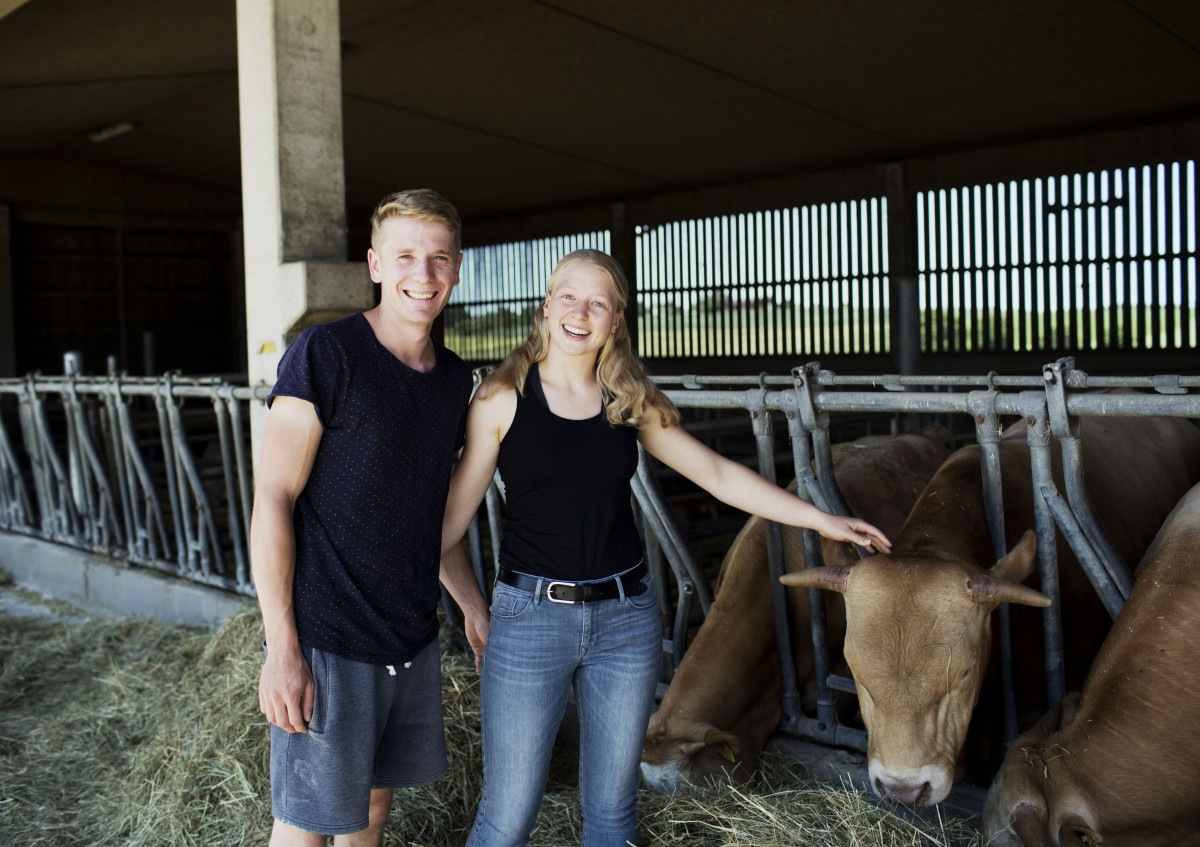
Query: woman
(573,602)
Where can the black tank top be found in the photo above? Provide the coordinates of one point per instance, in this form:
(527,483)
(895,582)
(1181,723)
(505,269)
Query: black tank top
(566,484)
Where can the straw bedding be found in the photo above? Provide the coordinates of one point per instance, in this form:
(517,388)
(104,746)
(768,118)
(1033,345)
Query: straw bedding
(140,733)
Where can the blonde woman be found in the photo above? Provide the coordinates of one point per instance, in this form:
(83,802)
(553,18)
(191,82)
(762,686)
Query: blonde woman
(573,602)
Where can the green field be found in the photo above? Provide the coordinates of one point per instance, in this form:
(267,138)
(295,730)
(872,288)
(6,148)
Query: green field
(732,332)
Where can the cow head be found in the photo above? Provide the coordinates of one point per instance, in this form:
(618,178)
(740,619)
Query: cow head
(918,640)
(676,757)
(1034,801)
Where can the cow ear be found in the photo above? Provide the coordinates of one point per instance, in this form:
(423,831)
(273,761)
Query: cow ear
(1002,584)
(831,579)
(725,743)
(1020,561)
(1070,708)
(1061,714)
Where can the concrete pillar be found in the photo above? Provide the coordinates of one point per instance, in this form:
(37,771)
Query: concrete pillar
(293,179)
(8,306)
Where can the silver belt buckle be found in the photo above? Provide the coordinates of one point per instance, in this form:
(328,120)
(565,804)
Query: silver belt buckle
(550,593)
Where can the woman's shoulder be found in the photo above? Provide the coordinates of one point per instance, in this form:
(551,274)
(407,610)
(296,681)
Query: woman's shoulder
(495,397)
(493,409)
(494,385)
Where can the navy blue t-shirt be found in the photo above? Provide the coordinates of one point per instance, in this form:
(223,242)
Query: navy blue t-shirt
(369,522)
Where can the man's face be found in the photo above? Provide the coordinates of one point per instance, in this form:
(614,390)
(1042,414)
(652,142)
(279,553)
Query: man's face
(416,267)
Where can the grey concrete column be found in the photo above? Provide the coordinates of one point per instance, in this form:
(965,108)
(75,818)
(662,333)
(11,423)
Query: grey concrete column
(293,179)
(904,297)
(8,306)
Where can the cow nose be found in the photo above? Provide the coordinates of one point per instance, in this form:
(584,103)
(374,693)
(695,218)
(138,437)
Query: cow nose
(905,793)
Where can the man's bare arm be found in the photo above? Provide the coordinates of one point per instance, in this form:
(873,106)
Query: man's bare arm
(290,440)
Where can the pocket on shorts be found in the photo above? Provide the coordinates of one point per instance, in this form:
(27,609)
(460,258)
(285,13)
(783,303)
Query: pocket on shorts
(647,598)
(509,602)
(316,664)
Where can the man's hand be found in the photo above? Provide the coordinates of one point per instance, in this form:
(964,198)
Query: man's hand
(285,690)
(455,574)
(476,628)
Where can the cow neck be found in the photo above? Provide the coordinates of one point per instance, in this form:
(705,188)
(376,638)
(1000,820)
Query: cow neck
(948,521)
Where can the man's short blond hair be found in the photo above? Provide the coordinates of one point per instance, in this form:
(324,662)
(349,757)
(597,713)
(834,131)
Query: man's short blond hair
(420,204)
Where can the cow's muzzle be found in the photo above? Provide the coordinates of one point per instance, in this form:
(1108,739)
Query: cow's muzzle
(906,793)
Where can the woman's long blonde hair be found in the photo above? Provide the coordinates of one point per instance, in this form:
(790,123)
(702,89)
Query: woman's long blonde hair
(628,391)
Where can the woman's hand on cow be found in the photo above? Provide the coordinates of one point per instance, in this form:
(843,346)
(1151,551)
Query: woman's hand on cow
(854,530)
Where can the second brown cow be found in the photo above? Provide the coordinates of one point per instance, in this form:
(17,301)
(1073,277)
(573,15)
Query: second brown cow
(1117,764)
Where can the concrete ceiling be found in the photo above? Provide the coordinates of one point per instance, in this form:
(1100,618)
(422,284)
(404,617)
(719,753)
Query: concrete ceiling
(517,105)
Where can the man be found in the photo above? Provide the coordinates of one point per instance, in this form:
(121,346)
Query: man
(366,417)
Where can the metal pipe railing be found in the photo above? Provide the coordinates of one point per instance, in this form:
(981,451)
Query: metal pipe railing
(118,465)
(102,453)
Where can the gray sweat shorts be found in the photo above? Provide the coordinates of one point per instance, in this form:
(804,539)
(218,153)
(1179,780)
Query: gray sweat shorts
(373,726)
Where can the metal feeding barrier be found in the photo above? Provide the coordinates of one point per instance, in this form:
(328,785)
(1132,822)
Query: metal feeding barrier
(157,472)
(1051,405)
(154,471)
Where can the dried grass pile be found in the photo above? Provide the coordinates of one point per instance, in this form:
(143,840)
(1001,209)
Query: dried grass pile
(138,733)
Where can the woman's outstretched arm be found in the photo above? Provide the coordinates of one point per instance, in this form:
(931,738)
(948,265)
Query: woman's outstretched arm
(737,485)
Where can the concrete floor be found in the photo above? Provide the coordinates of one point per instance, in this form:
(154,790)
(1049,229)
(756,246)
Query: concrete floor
(103,585)
(23,603)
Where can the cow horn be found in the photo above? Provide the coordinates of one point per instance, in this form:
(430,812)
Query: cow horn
(988,589)
(832,579)
(1002,583)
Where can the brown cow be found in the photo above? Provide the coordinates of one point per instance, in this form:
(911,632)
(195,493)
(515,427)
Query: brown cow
(1117,765)
(725,698)
(918,636)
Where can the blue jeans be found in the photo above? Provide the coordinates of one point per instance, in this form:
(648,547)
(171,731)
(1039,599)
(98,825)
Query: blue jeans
(611,650)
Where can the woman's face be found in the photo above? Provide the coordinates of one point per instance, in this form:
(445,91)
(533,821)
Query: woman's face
(581,311)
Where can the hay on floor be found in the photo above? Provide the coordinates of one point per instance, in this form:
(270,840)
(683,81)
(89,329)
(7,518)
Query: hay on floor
(138,733)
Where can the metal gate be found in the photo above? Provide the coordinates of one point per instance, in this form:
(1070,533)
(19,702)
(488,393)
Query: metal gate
(157,472)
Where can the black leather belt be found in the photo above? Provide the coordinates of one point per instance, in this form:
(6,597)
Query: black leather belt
(557,591)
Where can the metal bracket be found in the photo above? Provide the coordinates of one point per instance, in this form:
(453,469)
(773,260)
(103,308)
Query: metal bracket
(1056,376)
(1169,384)
(760,418)
(801,377)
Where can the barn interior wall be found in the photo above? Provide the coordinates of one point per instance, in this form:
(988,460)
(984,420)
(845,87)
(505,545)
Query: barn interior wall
(57,189)
(113,263)
(1112,148)
(901,183)
(8,347)
(1029,158)
(185,287)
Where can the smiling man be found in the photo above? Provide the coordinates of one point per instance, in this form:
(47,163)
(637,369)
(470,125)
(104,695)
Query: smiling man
(366,417)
